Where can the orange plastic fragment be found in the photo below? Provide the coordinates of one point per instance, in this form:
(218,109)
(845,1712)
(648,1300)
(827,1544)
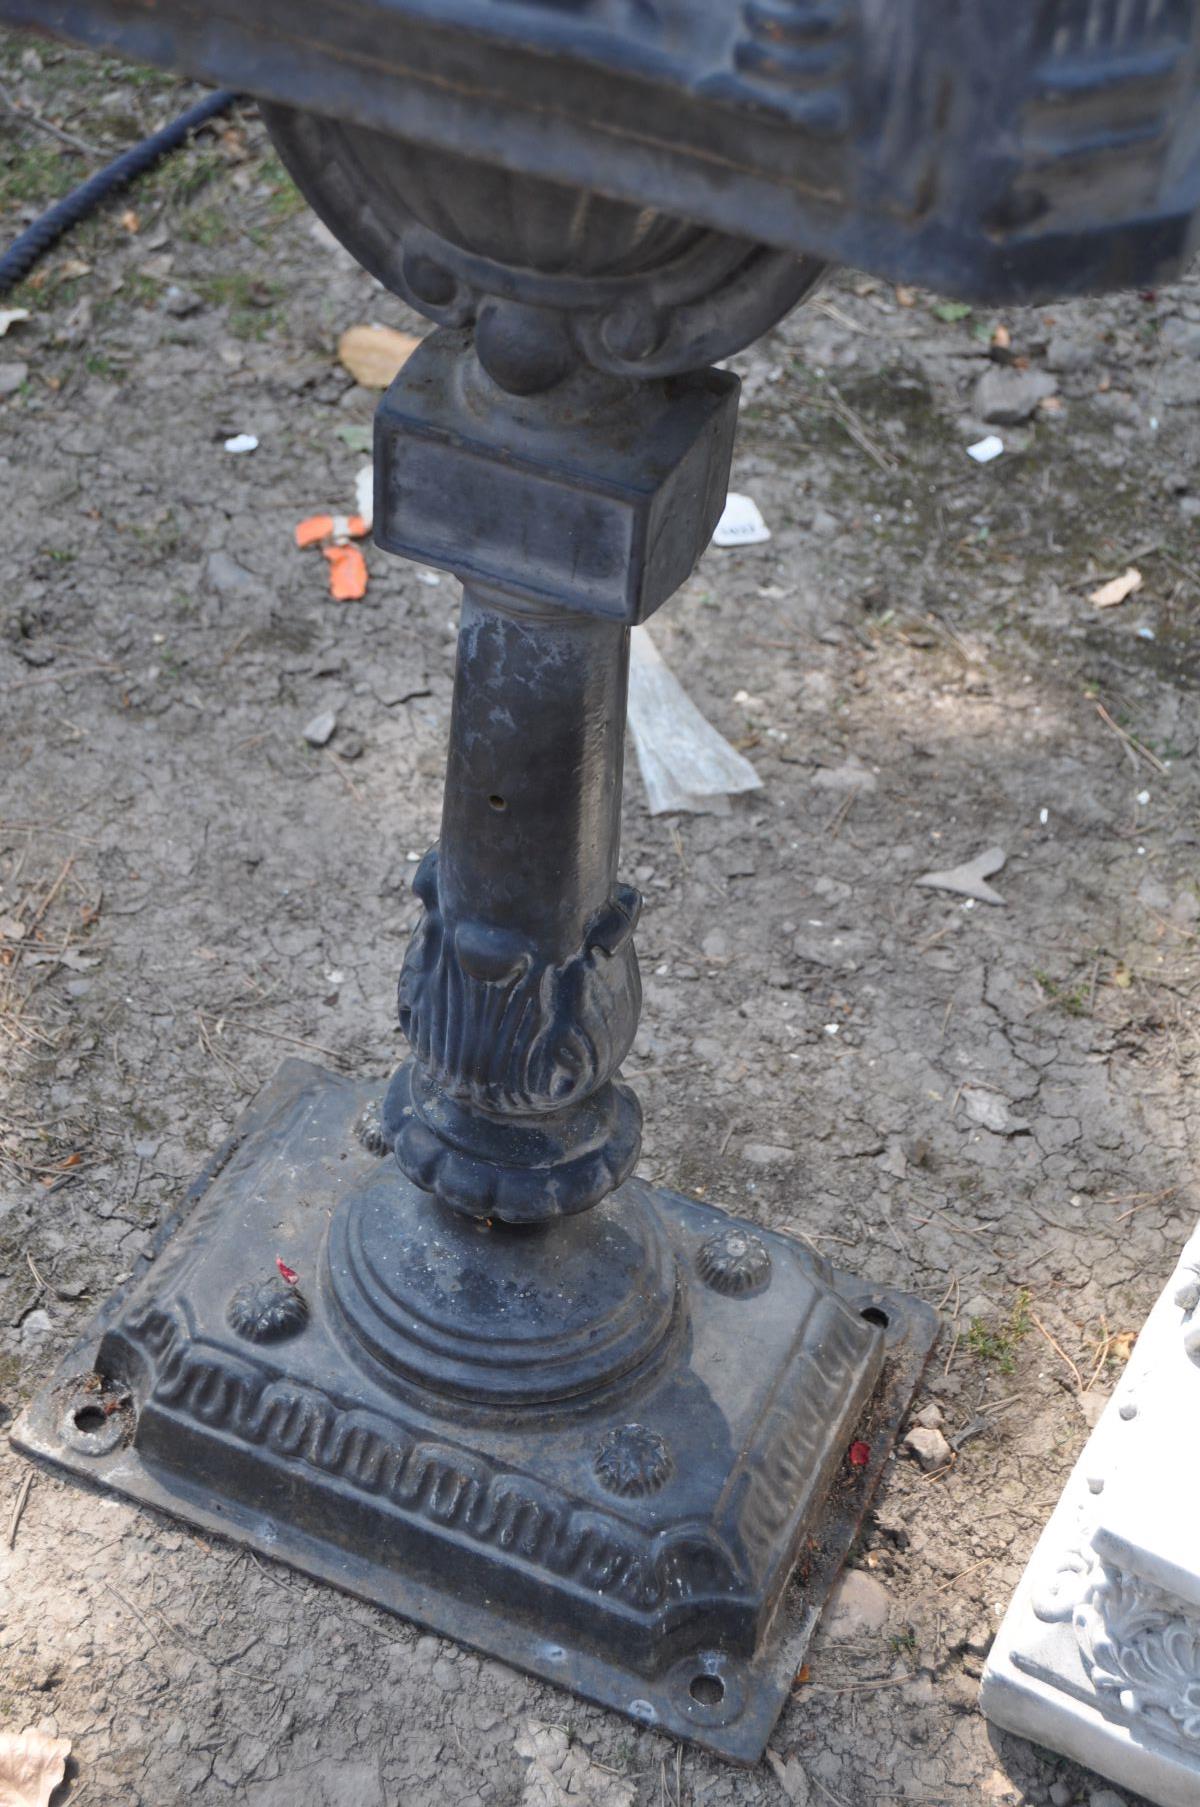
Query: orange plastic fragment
(347,573)
(312,531)
(318,527)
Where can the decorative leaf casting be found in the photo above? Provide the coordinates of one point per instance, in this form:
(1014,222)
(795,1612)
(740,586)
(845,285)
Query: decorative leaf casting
(1187,1295)
(1141,1648)
(498,1029)
(1139,1645)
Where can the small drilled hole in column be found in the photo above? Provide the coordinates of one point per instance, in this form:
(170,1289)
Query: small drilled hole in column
(497,802)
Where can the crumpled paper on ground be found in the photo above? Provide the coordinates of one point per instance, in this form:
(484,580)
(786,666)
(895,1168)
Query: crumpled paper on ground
(684,762)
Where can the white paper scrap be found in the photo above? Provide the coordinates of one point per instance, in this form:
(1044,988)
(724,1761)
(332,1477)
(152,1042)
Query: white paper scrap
(984,450)
(741,524)
(684,762)
(364,493)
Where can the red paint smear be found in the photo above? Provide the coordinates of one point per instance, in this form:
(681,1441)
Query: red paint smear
(860,1455)
(288,1273)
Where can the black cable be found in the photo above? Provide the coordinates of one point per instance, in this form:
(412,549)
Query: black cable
(24,252)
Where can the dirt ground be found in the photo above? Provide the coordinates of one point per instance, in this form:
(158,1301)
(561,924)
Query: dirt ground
(994,1107)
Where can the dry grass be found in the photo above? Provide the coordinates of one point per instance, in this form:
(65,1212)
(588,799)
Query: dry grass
(44,923)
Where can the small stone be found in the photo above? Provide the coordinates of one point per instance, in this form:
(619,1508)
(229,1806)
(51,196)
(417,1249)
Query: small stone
(850,776)
(988,1109)
(35,1326)
(12,375)
(1067,354)
(766,1154)
(351,746)
(1179,335)
(226,576)
(715,946)
(859,1603)
(1005,397)
(1105,1797)
(181,302)
(1061,1794)
(844,950)
(319,731)
(894,1162)
(930,1417)
(929,1447)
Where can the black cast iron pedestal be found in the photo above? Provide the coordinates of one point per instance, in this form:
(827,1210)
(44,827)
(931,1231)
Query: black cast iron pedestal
(436,1344)
(635,1547)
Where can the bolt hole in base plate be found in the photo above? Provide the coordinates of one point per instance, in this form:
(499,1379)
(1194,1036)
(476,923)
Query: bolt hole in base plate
(302,1129)
(95,1416)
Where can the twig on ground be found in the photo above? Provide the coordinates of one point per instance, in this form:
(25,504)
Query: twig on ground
(51,894)
(985,1562)
(1143,1199)
(19,1506)
(953,1353)
(853,424)
(857,429)
(1133,746)
(340,768)
(274,1035)
(58,677)
(1058,1349)
(47,125)
(883,1681)
(822,306)
(840,814)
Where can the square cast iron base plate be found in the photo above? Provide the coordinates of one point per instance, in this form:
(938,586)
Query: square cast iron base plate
(493,1534)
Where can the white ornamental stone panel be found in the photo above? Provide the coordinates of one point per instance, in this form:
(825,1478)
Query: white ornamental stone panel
(1098,1656)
